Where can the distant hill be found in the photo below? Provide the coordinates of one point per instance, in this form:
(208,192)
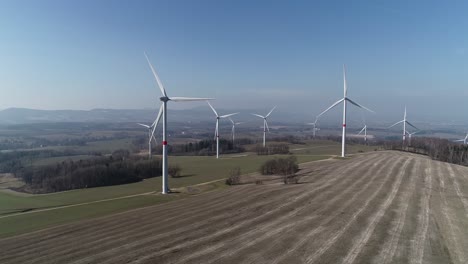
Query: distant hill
(13,116)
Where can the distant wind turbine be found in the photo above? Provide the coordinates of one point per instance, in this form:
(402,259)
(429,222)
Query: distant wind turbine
(404,122)
(265,124)
(364,129)
(344,100)
(465,140)
(315,129)
(163,110)
(217,127)
(233,129)
(150,135)
(411,135)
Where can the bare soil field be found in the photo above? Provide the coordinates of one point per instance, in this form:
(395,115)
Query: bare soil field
(381,207)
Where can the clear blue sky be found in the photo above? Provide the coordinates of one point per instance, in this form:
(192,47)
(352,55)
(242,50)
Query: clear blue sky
(89,54)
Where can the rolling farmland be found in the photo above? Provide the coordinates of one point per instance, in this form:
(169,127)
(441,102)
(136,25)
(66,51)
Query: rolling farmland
(381,207)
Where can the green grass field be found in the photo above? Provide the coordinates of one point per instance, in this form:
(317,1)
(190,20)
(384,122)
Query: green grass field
(195,170)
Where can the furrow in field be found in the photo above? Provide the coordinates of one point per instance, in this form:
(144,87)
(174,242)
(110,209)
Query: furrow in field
(456,252)
(419,242)
(456,186)
(337,234)
(390,245)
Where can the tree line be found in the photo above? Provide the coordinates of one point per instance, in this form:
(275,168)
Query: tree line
(200,148)
(435,148)
(118,168)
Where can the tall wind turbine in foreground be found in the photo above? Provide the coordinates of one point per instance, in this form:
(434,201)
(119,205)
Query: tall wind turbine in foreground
(404,121)
(465,140)
(233,129)
(163,110)
(265,124)
(344,100)
(217,127)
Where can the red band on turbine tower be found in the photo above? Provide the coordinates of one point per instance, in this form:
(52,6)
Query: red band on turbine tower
(344,125)
(164,143)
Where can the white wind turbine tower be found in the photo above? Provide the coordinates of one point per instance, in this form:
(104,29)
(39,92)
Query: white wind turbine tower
(233,129)
(163,111)
(217,127)
(465,140)
(265,124)
(150,135)
(405,122)
(344,100)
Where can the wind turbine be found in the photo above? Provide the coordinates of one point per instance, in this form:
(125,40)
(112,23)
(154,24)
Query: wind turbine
(315,129)
(465,140)
(364,129)
(265,124)
(150,136)
(411,134)
(404,121)
(233,130)
(163,111)
(217,127)
(344,100)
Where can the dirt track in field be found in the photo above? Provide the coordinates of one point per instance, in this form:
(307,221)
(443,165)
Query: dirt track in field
(383,207)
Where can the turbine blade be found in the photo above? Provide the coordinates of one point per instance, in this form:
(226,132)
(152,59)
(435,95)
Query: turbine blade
(362,130)
(270,112)
(189,99)
(345,85)
(399,122)
(212,108)
(230,119)
(161,87)
(266,123)
(258,115)
(411,125)
(228,115)
(143,125)
(329,108)
(358,105)
(155,124)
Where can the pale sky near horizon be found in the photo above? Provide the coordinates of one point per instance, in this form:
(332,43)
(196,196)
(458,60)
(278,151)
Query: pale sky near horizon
(247,54)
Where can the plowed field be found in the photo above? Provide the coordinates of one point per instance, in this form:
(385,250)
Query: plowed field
(382,207)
